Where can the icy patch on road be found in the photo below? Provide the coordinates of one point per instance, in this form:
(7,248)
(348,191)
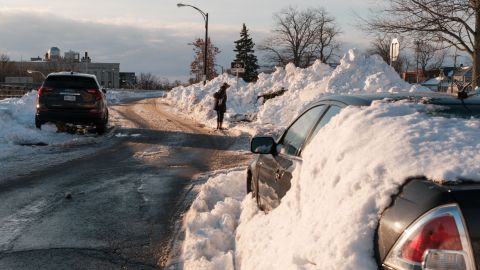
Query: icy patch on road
(125,135)
(12,226)
(153,153)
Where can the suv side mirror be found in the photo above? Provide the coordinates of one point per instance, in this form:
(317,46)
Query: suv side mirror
(262,145)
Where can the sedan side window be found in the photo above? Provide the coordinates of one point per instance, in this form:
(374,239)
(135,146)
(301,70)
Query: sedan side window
(295,136)
(332,111)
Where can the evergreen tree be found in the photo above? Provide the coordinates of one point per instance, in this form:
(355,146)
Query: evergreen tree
(244,49)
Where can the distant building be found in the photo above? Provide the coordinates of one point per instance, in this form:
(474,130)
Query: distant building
(463,74)
(72,57)
(412,76)
(438,84)
(108,74)
(53,54)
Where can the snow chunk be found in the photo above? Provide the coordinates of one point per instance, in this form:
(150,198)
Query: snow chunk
(211,222)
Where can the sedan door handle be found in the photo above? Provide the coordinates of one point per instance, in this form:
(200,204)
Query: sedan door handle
(279,174)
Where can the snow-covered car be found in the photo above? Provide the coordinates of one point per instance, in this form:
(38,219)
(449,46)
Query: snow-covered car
(71,97)
(428,225)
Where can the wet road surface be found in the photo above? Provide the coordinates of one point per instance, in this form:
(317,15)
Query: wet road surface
(116,208)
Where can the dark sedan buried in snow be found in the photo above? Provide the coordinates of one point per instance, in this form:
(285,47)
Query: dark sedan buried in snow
(427,226)
(74,98)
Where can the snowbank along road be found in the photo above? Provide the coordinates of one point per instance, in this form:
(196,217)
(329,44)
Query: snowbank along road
(114,206)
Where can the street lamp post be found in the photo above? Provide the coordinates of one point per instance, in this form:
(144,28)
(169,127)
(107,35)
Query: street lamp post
(205,52)
(29,71)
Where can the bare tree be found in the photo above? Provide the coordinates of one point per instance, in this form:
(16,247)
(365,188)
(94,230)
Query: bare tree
(301,37)
(429,55)
(147,81)
(196,67)
(453,22)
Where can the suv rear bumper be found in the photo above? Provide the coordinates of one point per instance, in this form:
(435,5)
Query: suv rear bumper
(77,117)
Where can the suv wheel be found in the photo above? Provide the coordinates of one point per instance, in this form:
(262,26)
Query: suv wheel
(38,123)
(101,128)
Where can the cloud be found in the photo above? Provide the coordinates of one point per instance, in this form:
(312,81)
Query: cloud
(138,45)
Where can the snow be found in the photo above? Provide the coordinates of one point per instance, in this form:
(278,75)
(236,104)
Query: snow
(357,72)
(120,96)
(211,223)
(371,152)
(331,224)
(19,136)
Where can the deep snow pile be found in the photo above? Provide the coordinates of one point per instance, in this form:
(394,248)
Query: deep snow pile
(356,72)
(330,224)
(17,125)
(211,223)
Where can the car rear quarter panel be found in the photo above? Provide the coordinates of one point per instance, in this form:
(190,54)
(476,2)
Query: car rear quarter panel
(415,198)
(468,198)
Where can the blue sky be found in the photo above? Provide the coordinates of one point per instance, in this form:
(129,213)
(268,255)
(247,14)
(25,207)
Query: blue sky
(151,35)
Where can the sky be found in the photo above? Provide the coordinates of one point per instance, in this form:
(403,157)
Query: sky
(152,35)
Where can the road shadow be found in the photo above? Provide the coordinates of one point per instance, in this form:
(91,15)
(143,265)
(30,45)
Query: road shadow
(185,139)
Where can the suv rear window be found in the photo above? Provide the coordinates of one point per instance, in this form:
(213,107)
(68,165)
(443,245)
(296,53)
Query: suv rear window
(71,82)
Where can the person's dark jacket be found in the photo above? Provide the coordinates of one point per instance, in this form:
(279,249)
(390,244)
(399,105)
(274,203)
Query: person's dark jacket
(220,100)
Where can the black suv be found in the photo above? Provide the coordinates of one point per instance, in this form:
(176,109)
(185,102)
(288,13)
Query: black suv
(427,226)
(75,98)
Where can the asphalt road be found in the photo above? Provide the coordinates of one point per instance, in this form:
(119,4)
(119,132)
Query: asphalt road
(119,207)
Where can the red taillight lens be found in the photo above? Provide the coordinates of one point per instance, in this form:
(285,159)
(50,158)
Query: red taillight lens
(43,89)
(437,240)
(96,92)
(438,233)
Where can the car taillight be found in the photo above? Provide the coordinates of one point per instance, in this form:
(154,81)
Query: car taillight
(437,240)
(95,92)
(43,89)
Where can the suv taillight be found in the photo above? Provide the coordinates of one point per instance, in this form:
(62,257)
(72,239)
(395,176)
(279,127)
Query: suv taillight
(43,89)
(437,240)
(96,92)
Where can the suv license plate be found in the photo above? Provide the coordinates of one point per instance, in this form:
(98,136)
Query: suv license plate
(69,98)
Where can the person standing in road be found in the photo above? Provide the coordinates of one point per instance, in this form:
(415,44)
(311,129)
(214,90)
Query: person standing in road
(221,103)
